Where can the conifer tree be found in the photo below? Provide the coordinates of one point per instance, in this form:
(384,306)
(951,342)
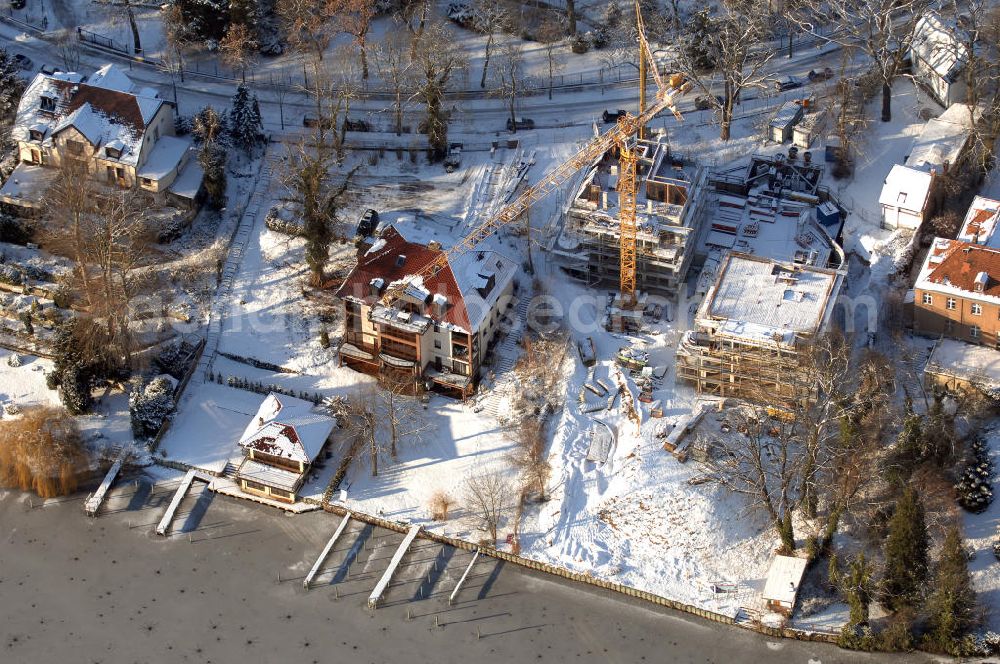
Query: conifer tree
(245,129)
(952,601)
(905,553)
(857,587)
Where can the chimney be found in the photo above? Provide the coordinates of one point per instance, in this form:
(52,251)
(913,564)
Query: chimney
(944,167)
(434,245)
(260,421)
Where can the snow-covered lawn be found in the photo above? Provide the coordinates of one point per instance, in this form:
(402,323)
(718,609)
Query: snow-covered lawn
(25,385)
(459,444)
(209,422)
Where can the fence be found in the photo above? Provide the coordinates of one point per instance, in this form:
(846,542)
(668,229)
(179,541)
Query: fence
(554,570)
(101,41)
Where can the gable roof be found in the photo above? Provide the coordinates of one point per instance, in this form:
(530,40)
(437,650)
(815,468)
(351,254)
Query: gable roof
(289,428)
(104,108)
(467,287)
(953,266)
(940,45)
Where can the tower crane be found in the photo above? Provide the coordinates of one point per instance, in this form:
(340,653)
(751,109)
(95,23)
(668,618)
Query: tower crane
(668,91)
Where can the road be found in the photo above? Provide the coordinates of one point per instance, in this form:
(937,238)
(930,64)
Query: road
(108,590)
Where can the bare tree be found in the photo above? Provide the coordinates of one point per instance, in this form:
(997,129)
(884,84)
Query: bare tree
(414,14)
(509,78)
(571,17)
(123,10)
(881,29)
(400,412)
(762,461)
(355,17)
(529,457)
(490,496)
(309,25)
(69,201)
(551,33)
(395,68)
(68,46)
(437,57)
(732,44)
(440,503)
(490,17)
(239,48)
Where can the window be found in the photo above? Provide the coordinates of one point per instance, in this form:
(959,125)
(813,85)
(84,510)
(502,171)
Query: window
(279,493)
(35,135)
(949,326)
(147,182)
(113,153)
(928,298)
(977,309)
(974,332)
(253,486)
(437,344)
(48,104)
(950,303)
(74,147)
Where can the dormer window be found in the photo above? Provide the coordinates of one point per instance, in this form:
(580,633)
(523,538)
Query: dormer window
(982,280)
(74,147)
(400,260)
(35,134)
(113,153)
(48,104)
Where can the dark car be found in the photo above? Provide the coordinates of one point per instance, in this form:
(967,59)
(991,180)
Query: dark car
(820,74)
(312,121)
(368,223)
(17,4)
(356,125)
(454,158)
(23,61)
(520,123)
(613,116)
(706,102)
(787,83)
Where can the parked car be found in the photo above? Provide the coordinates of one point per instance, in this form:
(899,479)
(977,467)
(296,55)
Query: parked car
(613,116)
(820,74)
(706,102)
(356,125)
(312,121)
(368,223)
(17,4)
(23,61)
(48,70)
(788,83)
(454,158)
(520,123)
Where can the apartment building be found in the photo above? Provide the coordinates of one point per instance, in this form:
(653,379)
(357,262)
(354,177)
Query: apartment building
(439,332)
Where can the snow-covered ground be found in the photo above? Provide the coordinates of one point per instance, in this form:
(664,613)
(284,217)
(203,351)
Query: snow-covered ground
(24,386)
(981,531)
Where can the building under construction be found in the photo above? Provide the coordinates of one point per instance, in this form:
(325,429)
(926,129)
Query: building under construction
(752,327)
(668,212)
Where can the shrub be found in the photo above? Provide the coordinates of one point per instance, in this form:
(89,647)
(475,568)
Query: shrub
(440,502)
(579,44)
(149,406)
(975,487)
(41,451)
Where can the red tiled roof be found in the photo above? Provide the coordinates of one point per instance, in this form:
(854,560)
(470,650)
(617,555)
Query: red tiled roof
(121,106)
(960,264)
(384,264)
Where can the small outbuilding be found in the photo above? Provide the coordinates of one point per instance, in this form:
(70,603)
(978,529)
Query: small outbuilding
(905,197)
(805,133)
(783,581)
(780,128)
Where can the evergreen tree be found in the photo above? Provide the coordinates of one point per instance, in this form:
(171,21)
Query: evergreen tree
(975,488)
(699,30)
(212,159)
(245,12)
(208,126)
(205,19)
(857,587)
(787,532)
(938,441)
(11,88)
(149,406)
(905,553)
(72,373)
(952,602)
(245,128)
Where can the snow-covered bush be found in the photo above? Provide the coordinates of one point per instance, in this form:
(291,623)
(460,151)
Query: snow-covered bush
(14,360)
(150,405)
(11,408)
(975,487)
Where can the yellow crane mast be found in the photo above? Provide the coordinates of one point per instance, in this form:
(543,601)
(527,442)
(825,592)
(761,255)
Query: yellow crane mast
(627,127)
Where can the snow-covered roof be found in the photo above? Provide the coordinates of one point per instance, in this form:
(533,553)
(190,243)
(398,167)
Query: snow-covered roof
(953,267)
(940,44)
(763,301)
(968,362)
(980,225)
(942,139)
(26,185)
(289,428)
(905,188)
(166,155)
(783,579)
(280,478)
(188,182)
(103,109)
(111,77)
